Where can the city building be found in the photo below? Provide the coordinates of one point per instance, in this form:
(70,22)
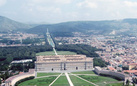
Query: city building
(132,66)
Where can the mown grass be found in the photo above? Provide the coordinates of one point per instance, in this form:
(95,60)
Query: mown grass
(59,53)
(78,82)
(84,72)
(66,53)
(46,74)
(115,84)
(100,80)
(38,82)
(61,81)
(45,53)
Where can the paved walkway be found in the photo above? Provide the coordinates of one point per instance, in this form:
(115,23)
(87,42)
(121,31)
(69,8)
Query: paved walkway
(69,80)
(55,79)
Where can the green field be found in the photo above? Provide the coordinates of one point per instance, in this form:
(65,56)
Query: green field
(78,82)
(84,72)
(39,82)
(115,84)
(62,81)
(59,53)
(46,74)
(45,53)
(99,80)
(66,53)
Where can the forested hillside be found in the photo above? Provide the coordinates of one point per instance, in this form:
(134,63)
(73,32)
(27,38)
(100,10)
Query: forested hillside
(7,24)
(99,27)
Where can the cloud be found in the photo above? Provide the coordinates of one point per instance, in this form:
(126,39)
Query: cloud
(87,4)
(107,9)
(69,10)
(47,9)
(130,3)
(50,1)
(2,2)
(63,1)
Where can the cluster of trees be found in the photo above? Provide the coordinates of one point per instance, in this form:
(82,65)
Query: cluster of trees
(31,41)
(100,62)
(8,54)
(9,41)
(22,66)
(4,75)
(79,49)
(134,80)
(24,41)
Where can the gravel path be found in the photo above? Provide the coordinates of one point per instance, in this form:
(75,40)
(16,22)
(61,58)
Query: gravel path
(69,80)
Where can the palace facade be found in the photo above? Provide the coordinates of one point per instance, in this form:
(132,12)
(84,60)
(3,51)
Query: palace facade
(58,63)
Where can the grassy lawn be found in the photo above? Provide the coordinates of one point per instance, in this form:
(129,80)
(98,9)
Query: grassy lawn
(61,81)
(99,80)
(66,53)
(59,53)
(115,84)
(38,82)
(46,74)
(78,82)
(46,53)
(84,72)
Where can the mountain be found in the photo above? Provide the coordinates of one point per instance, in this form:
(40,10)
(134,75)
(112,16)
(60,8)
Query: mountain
(8,24)
(69,27)
(124,26)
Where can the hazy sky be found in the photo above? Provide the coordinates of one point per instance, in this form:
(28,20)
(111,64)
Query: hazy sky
(54,11)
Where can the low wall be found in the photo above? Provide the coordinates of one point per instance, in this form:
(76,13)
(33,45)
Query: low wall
(12,80)
(119,75)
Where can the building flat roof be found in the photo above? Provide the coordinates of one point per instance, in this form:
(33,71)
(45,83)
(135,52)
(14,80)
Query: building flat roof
(62,58)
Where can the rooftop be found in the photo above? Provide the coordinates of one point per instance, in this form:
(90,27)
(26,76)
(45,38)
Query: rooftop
(133,64)
(62,58)
(130,71)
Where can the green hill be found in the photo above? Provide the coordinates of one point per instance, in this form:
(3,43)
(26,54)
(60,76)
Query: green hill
(8,24)
(89,27)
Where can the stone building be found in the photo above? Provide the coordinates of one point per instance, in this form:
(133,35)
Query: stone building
(115,74)
(58,63)
(132,66)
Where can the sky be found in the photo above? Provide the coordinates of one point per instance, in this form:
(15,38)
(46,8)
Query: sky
(55,11)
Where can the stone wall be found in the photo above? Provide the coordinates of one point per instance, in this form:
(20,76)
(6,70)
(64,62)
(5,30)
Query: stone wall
(120,75)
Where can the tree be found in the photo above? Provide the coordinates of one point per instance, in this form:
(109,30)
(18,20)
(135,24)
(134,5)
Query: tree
(0,81)
(127,82)
(133,84)
(99,62)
